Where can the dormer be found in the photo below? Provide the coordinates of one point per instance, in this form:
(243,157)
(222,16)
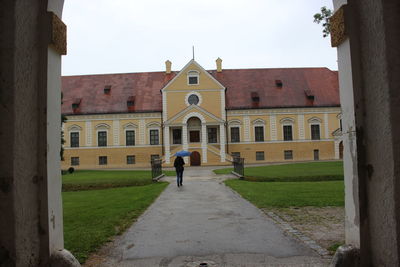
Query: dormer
(130,103)
(193,77)
(76,104)
(255,99)
(309,93)
(107,89)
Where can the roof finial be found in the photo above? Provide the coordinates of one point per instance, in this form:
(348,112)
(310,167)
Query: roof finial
(193,51)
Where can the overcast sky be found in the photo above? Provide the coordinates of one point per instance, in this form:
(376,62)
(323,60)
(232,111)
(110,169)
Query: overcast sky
(119,36)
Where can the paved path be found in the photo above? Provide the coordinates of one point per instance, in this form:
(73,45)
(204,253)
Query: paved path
(205,221)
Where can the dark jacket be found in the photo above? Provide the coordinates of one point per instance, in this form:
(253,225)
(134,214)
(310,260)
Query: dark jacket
(178,164)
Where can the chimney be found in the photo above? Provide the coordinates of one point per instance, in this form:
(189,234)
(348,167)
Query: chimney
(219,64)
(168,67)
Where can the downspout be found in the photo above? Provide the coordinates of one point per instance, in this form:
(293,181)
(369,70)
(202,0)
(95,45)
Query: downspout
(162,130)
(226,125)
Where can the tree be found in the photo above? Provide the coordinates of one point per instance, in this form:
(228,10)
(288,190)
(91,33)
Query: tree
(63,120)
(324,17)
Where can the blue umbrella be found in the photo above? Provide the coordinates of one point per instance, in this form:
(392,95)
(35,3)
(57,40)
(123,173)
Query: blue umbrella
(183,153)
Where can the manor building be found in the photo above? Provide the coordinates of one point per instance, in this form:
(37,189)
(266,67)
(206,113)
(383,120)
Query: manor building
(262,115)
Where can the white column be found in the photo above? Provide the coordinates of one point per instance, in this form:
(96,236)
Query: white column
(185,145)
(167,145)
(326,122)
(274,135)
(246,123)
(337,149)
(142,140)
(204,142)
(164,104)
(116,132)
(300,119)
(222,141)
(89,131)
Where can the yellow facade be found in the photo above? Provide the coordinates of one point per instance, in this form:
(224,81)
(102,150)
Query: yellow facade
(195,118)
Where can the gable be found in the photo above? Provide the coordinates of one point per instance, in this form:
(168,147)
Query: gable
(195,111)
(205,80)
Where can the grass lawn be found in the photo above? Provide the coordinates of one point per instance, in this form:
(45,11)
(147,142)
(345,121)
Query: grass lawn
(311,171)
(290,194)
(92,217)
(85,180)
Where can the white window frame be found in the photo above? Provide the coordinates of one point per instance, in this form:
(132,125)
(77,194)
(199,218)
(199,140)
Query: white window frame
(287,122)
(193,73)
(102,127)
(193,93)
(319,124)
(218,134)
(315,121)
(149,139)
(258,123)
(234,123)
(79,138)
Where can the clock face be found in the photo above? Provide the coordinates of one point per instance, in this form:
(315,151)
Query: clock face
(193,99)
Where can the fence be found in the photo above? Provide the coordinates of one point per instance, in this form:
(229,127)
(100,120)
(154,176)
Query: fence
(238,167)
(156,169)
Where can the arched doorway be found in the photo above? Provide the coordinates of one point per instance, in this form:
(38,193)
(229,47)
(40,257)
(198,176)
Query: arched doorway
(341,150)
(195,159)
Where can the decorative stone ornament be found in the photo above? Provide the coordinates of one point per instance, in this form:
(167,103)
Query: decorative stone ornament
(58,34)
(338,27)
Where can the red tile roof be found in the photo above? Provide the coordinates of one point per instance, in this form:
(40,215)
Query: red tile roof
(241,84)
(144,88)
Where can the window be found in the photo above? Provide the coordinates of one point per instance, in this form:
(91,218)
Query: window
(194,136)
(259,133)
(154,157)
(193,99)
(130,159)
(316,154)
(177,136)
(74,161)
(74,139)
(315,133)
(235,136)
(154,139)
(102,138)
(288,154)
(103,160)
(235,154)
(130,138)
(193,78)
(260,155)
(287,133)
(212,135)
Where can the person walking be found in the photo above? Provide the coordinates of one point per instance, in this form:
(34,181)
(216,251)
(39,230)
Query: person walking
(178,164)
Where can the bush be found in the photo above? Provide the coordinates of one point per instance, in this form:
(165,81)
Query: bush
(64,172)
(71,169)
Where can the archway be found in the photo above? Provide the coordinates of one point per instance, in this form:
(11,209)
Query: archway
(372,92)
(195,159)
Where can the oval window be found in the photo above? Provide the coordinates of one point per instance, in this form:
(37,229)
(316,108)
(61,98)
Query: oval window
(193,99)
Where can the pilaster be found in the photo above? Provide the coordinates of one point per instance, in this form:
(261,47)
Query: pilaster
(222,141)
(204,142)
(300,119)
(116,132)
(167,145)
(89,132)
(273,128)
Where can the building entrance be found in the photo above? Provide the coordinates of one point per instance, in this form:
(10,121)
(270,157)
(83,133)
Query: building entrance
(195,159)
